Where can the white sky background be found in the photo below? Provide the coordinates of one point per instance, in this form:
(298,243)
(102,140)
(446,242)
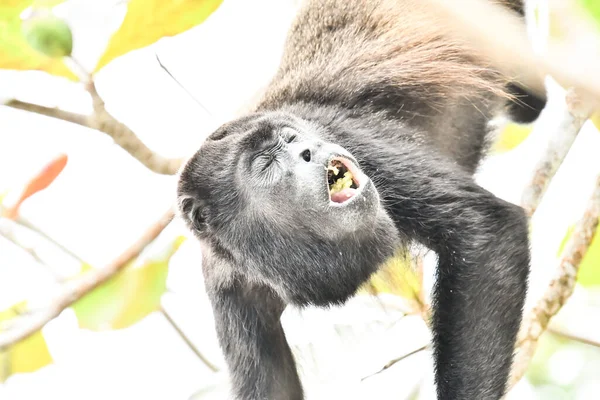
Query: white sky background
(104,200)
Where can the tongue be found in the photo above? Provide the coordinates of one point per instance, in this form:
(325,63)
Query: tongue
(343,195)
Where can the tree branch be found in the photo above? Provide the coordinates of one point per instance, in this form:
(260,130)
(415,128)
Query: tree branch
(78,287)
(560,288)
(103,121)
(561,140)
(68,116)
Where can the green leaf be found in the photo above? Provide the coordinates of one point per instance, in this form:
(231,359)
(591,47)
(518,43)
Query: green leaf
(589,270)
(147,21)
(15,52)
(128,296)
(593,9)
(28,355)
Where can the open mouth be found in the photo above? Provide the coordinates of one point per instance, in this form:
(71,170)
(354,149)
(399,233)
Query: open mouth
(342,180)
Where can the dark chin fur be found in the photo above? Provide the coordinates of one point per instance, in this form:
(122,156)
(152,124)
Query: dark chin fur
(310,269)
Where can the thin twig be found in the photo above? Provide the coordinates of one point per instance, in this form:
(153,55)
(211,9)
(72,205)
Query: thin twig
(8,234)
(7,231)
(394,361)
(78,69)
(187,341)
(77,288)
(557,149)
(103,121)
(53,112)
(190,94)
(29,225)
(574,336)
(560,288)
(20,220)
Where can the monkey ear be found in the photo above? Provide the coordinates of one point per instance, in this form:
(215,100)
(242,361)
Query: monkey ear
(194,212)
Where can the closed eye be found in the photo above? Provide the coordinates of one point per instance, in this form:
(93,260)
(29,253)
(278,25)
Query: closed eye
(264,159)
(267,160)
(291,138)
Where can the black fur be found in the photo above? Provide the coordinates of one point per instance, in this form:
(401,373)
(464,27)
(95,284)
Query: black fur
(526,107)
(256,197)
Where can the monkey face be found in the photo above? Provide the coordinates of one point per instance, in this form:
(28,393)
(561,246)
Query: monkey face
(288,176)
(286,207)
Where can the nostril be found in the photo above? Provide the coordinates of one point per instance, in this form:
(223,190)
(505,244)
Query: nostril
(306,155)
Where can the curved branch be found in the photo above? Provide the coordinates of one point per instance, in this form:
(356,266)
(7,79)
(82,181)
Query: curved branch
(579,107)
(103,121)
(78,287)
(558,147)
(560,288)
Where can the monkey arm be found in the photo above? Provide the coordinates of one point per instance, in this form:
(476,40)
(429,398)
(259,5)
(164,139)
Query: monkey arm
(261,365)
(483,264)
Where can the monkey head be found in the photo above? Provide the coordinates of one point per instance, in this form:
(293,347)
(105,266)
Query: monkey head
(278,206)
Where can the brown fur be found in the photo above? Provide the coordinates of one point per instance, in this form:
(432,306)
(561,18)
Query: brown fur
(366,42)
(396,53)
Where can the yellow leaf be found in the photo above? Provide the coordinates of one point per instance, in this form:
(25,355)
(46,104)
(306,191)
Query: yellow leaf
(397,276)
(511,136)
(596,120)
(27,355)
(130,295)
(14,311)
(15,52)
(147,21)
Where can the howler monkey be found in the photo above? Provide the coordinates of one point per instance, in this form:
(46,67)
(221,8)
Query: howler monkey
(365,141)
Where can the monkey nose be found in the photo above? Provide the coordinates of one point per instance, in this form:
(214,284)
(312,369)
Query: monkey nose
(318,152)
(306,155)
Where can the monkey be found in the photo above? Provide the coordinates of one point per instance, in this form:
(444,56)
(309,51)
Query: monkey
(379,100)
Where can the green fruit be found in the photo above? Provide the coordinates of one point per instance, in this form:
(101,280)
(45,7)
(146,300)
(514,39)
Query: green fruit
(49,35)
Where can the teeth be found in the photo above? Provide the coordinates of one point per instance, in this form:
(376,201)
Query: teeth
(333,169)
